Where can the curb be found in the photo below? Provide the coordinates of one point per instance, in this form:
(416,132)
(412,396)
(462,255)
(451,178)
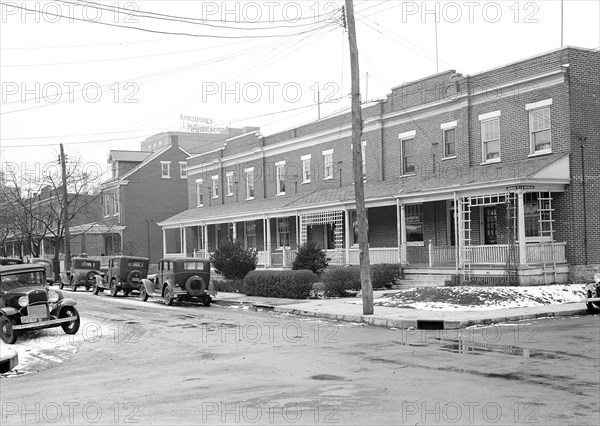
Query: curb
(8,360)
(425,323)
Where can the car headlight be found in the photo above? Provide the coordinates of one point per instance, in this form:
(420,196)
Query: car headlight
(23,301)
(53,296)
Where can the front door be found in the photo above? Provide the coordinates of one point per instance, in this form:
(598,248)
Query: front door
(490,225)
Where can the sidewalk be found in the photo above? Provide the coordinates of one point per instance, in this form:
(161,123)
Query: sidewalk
(350,310)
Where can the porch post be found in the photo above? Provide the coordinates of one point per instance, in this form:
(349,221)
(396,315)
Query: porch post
(164,242)
(268,242)
(348,226)
(521,226)
(182,245)
(403,254)
(459,230)
(398,230)
(234,231)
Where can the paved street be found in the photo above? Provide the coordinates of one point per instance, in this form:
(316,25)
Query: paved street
(147,363)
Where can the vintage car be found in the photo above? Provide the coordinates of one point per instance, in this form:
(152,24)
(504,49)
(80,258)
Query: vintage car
(125,273)
(181,278)
(10,261)
(592,294)
(27,303)
(49,269)
(82,273)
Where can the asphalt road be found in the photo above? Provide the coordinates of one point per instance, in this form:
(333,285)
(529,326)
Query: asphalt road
(146,363)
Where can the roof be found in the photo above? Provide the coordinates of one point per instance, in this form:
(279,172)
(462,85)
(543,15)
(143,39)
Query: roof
(131,156)
(24,267)
(482,179)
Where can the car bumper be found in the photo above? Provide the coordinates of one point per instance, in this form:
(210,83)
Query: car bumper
(43,324)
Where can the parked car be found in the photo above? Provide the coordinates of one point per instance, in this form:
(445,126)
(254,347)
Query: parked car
(49,269)
(27,303)
(82,273)
(592,294)
(124,273)
(10,261)
(182,278)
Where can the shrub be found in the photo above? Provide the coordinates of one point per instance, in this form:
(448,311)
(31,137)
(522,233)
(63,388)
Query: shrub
(384,274)
(286,284)
(338,280)
(233,260)
(230,286)
(310,256)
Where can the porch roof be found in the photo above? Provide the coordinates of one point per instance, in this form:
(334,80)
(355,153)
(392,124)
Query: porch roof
(550,170)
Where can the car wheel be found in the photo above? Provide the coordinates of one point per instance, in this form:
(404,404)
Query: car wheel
(592,309)
(113,288)
(96,289)
(73,286)
(143,294)
(7,333)
(73,326)
(168,296)
(61,285)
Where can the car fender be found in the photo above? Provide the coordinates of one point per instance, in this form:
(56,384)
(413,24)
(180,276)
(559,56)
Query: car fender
(99,280)
(590,287)
(67,302)
(8,311)
(148,285)
(64,278)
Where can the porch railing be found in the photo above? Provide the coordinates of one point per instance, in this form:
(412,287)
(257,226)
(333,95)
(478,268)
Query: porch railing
(545,252)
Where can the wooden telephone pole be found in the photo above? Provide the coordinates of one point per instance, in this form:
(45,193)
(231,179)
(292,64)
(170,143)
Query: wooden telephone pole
(65,208)
(359,188)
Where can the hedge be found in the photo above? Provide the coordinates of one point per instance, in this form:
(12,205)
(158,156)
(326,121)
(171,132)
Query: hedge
(286,284)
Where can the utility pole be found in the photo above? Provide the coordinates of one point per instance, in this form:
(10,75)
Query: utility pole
(359,187)
(65,206)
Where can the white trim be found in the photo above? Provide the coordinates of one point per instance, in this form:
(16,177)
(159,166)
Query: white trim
(491,161)
(539,104)
(249,169)
(229,174)
(280,163)
(407,135)
(449,158)
(328,152)
(183,171)
(200,180)
(168,175)
(541,152)
(489,115)
(305,157)
(449,125)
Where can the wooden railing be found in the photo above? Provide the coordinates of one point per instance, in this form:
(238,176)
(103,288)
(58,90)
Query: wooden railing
(545,252)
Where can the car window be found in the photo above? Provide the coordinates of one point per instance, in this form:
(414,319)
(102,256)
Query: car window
(24,279)
(136,264)
(188,266)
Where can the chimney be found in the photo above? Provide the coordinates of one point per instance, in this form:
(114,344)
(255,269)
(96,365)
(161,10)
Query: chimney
(175,141)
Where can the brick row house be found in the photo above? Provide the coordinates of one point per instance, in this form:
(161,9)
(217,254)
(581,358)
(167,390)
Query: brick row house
(488,177)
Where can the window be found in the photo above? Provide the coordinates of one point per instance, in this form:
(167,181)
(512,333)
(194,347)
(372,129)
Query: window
(199,193)
(116,203)
(283,232)
(328,164)
(305,168)
(449,142)
(106,204)
(250,183)
(354,222)
(363,156)
(490,136)
(539,126)
(183,170)
(229,183)
(250,232)
(280,172)
(114,169)
(215,186)
(538,214)
(165,169)
(408,156)
(414,224)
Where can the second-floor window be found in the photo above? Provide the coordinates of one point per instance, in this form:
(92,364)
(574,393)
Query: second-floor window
(183,170)
(539,125)
(490,136)
(229,182)
(106,204)
(250,183)
(408,156)
(328,164)
(450,142)
(165,169)
(280,177)
(116,203)
(305,168)
(199,193)
(215,186)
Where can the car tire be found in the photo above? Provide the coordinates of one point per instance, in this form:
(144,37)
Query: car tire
(143,294)
(592,309)
(7,333)
(61,285)
(73,286)
(73,326)
(168,295)
(96,289)
(114,290)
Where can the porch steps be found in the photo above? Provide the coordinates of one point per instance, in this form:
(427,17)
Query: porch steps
(422,280)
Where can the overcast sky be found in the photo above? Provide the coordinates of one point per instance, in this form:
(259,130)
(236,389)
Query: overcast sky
(72,72)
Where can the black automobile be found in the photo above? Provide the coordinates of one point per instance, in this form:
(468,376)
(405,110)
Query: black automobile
(27,303)
(82,273)
(592,295)
(124,273)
